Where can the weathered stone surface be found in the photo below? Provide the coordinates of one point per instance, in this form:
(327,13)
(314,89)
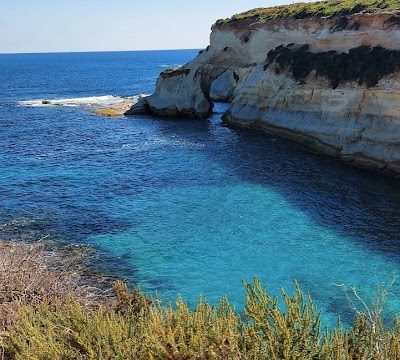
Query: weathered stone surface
(223,86)
(138,108)
(356,121)
(180,93)
(115,108)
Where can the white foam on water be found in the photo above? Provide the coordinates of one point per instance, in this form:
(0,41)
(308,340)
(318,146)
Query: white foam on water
(91,101)
(172,66)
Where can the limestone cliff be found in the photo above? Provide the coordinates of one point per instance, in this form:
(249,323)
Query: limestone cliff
(329,82)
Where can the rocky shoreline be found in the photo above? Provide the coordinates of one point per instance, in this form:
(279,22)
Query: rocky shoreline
(331,83)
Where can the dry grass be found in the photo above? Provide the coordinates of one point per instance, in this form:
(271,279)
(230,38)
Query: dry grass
(36,274)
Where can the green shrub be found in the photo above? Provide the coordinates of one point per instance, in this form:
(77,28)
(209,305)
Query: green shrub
(136,328)
(71,332)
(320,8)
(175,72)
(205,333)
(291,334)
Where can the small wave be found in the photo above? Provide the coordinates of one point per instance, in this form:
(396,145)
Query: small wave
(91,101)
(157,142)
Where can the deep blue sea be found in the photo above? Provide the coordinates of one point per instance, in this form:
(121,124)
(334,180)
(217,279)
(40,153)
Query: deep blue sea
(186,206)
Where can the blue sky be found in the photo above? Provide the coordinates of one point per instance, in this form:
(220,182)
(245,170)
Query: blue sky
(89,25)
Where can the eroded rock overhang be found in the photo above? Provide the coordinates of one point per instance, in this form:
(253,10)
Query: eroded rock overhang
(330,83)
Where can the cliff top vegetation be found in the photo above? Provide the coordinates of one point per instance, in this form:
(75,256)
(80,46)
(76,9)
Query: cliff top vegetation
(320,8)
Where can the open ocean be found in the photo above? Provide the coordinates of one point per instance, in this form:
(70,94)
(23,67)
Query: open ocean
(185,206)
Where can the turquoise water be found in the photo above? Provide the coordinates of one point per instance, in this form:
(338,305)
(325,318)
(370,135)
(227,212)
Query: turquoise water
(186,206)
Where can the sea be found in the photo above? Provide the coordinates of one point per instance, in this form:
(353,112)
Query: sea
(187,207)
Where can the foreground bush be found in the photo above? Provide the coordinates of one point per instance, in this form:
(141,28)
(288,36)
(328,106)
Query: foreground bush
(50,312)
(135,328)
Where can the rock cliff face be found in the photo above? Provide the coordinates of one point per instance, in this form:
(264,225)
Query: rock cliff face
(331,83)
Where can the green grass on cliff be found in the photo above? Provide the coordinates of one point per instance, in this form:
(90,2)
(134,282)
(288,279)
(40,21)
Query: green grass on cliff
(320,8)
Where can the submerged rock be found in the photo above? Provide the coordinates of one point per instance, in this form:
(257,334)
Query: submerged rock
(109,112)
(116,109)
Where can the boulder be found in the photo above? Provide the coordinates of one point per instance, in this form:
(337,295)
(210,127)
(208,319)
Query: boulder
(141,107)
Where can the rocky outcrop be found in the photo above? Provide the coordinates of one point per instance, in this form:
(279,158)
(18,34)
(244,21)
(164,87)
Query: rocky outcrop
(330,83)
(222,87)
(139,107)
(179,92)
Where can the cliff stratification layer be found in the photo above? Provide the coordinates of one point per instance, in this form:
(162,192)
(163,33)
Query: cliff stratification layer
(331,82)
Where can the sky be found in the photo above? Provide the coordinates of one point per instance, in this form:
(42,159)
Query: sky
(105,25)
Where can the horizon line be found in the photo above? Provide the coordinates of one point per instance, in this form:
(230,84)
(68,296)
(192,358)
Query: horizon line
(91,51)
